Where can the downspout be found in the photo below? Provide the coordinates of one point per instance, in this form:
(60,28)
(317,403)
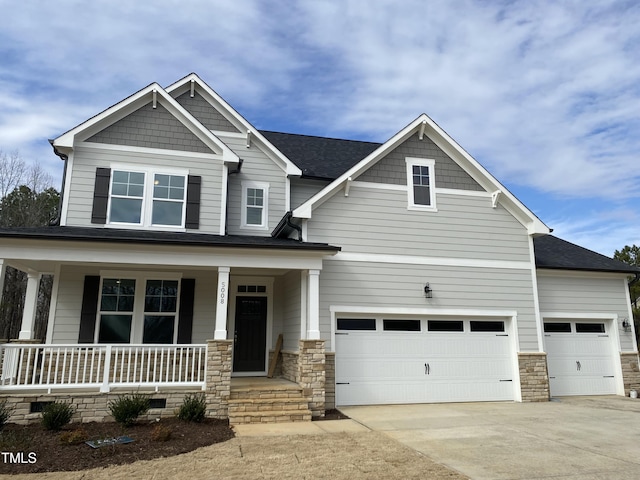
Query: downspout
(297,228)
(56,221)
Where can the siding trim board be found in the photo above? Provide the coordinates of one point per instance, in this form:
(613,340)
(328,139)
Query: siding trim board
(416,260)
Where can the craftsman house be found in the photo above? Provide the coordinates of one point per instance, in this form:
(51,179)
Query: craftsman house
(194,252)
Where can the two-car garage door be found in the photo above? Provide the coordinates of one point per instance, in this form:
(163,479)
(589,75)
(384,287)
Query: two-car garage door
(411,360)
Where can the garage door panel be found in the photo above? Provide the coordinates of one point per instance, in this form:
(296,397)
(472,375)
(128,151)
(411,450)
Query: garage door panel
(580,363)
(385,367)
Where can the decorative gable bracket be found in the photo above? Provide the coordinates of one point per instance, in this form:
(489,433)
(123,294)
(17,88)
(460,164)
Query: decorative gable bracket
(495,196)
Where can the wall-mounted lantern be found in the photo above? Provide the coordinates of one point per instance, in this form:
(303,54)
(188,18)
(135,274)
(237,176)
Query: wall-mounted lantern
(428,293)
(626,325)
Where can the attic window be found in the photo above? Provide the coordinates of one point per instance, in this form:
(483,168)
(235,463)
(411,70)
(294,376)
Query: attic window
(421,184)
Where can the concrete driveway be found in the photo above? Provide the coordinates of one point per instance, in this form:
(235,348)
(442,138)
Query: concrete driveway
(569,438)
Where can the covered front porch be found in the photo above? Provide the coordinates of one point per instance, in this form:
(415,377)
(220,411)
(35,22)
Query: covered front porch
(164,316)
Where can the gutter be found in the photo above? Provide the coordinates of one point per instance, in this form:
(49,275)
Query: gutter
(56,221)
(284,223)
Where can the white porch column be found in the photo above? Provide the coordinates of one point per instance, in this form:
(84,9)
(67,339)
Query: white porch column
(313,301)
(222,302)
(3,269)
(30,306)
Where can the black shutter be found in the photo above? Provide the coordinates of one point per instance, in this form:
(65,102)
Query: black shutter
(101,196)
(89,309)
(193,201)
(185,318)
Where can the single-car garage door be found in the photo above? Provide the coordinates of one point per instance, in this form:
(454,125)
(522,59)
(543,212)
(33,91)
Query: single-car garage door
(579,358)
(391,360)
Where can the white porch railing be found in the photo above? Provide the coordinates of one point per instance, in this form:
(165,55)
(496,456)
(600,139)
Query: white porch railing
(103,367)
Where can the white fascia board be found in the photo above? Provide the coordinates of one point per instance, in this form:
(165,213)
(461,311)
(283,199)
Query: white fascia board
(133,103)
(235,119)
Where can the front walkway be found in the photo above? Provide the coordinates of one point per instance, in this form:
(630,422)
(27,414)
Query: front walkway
(566,439)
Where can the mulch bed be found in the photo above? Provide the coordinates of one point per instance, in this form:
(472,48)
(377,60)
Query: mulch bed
(53,453)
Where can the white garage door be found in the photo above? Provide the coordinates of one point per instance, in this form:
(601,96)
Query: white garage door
(383,361)
(579,358)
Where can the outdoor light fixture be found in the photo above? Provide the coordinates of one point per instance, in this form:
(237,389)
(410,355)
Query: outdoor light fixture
(428,293)
(626,325)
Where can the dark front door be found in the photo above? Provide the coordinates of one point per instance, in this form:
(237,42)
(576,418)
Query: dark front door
(250,334)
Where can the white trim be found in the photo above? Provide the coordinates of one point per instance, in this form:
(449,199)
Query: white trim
(65,194)
(264,186)
(464,193)
(578,316)
(287,194)
(536,299)
(54,304)
(268,282)
(451,312)
(630,317)
(305,229)
(421,162)
(304,286)
(222,304)
(224,193)
(416,260)
(313,302)
(379,186)
(146,150)
(224,133)
(30,306)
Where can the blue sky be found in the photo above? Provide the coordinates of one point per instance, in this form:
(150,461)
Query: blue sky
(545,94)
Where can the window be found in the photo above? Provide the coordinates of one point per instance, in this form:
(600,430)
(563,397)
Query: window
(160,303)
(254,205)
(147,198)
(557,327)
(401,325)
(116,310)
(445,325)
(486,326)
(421,184)
(589,327)
(356,324)
(130,314)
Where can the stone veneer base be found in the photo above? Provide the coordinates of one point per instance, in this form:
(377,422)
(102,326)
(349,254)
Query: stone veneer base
(534,378)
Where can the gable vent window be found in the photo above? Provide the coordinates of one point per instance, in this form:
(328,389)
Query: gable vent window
(255,196)
(421,184)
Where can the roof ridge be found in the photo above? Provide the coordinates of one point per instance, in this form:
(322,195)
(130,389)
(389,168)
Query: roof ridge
(321,137)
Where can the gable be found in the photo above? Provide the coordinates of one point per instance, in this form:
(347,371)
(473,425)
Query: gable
(152,128)
(205,112)
(392,169)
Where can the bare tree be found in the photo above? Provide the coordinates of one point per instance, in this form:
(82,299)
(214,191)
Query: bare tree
(12,172)
(28,200)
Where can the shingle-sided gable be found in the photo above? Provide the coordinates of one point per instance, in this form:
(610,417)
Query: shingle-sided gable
(211,118)
(392,168)
(152,128)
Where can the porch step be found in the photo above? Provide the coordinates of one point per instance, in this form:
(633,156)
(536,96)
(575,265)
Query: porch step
(264,403)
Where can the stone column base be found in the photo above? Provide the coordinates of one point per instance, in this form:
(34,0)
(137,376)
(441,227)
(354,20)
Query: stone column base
(311,365)
(534,377)
(218,379)
(630,371)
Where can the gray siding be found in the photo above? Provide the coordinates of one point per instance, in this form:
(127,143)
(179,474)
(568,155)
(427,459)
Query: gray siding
(152,128)
(69,303)
(377,221)
(393,168)
(259,168)
(302,190)
(371,284)
(585,293)
(85,161)
(290,309)
(205,112)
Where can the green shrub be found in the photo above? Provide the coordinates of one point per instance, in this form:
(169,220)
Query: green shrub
(5,413)
(193,408)
(127,408)
(56,415)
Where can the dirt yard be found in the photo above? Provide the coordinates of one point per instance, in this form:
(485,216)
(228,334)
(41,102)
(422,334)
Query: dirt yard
(331,456)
